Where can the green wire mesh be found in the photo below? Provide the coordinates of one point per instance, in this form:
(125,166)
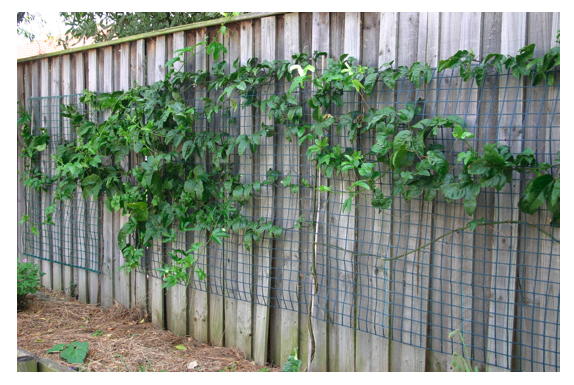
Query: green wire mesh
(502,290)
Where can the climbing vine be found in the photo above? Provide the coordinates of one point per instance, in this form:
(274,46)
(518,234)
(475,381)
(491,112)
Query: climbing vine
(155,122)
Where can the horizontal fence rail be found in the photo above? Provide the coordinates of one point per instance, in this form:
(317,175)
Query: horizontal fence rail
(499,285)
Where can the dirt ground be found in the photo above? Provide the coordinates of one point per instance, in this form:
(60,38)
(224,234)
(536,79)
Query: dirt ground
(120,339)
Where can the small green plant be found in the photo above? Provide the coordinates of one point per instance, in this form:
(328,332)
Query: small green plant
(461,363)
(98,333)
(230,369)
(74,353)
(28,279)
(293,364)
(263,370)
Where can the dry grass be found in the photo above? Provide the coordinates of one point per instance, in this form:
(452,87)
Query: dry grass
(128,342)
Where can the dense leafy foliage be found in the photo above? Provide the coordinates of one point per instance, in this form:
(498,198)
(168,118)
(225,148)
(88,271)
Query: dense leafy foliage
(104,26)
(155,122)
(28,279)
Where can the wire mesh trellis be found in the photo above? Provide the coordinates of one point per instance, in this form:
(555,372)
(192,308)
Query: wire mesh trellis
(502,290)
(75,239)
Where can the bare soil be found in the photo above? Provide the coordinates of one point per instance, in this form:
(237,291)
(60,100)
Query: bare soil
(120,339)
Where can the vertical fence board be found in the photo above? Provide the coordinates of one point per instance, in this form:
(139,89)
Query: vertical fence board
(80,226)
(320,42)
(483,235)
(199,314)
(157,293)
(45,166)
(371,351)
(502,308)
(537,272)
(230,245)
(455,295)
(407,227)
(139,66)
(122,281)
(55,91)
(216,256)
(176,297)
(92,224)
(21,208)
(286,213)
(244,256)
(263,252)
(67,212)
(107,269)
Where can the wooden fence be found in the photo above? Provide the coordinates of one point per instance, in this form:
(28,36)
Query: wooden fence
(270,333)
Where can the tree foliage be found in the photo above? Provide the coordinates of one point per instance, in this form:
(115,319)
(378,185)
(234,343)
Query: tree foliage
(23,20)
(103,26)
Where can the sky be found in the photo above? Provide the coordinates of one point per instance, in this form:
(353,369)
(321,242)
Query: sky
(53,24)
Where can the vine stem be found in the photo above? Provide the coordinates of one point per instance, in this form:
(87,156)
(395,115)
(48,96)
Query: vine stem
(442,236)
(315,217)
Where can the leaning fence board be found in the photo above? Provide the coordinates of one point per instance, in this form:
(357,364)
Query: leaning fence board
(46,167)
(503,294)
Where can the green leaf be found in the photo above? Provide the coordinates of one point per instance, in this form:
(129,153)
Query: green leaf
(555,192)
(293,363)
(75,353)
(57,348)
(492,155)
(479,167)
(536,193)
(180,347)
(438,161)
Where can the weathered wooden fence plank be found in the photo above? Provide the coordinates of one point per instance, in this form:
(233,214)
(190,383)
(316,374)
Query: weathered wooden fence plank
(199,311)
(107,269)
(176,297)
(262,252)
(80,218)
(537,266)
(93,228)
(216,256)
(45,166)
(244,256)
(502,307)
(21,208)
(455,294)
(141,281)
(157,292)
(230,245)
(67,245)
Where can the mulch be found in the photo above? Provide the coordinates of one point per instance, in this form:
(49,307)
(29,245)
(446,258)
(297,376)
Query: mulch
(120,339)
